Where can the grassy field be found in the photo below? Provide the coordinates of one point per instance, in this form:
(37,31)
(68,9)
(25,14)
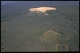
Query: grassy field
(23,32)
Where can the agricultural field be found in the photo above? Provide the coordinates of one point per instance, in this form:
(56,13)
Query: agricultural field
(36,32)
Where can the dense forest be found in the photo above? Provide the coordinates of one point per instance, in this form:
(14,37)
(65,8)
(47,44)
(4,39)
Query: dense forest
(24,32)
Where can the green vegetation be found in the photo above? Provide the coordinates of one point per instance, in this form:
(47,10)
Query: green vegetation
(50,36)
(59,31)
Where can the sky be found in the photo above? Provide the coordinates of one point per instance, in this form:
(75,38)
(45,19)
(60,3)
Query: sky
(7,2)
(64,2)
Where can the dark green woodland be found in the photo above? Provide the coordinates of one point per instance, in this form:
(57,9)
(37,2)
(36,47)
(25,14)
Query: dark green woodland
(36,32)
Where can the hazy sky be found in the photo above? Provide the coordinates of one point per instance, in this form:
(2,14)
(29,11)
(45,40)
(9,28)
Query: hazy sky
(7,2)
(10,2)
